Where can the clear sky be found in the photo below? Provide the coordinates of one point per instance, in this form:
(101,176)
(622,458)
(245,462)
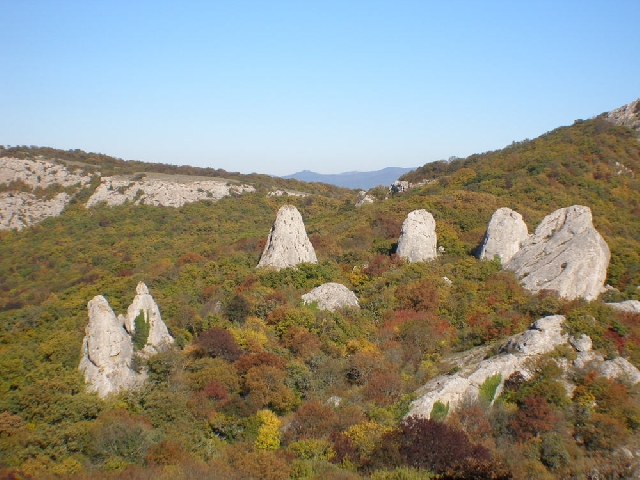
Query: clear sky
(277,87)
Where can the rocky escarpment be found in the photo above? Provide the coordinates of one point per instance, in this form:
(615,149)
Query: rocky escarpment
(331,296)
(418,241)
(22,209)
(288,243)
(627,116)
(516,355)
(504,236)
(108,347)
(116,191)
(565,254)
(40,173)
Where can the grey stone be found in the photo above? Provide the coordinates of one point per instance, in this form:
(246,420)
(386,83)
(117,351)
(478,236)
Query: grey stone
(582,343)
(504,236)
(628,115)
(418,241)
(565,254)
(287,244)
(331,296)
(364,198)
(630,306)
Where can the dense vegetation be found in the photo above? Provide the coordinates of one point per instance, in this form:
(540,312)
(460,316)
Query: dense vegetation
(261,386)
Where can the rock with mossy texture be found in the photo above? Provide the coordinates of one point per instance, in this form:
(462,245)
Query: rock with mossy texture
(505,235)
(629,306)
(331,296)
(145,308)
(288,244)
(565,254)
(107,352)
(478,375)
(110,343)
(418,241)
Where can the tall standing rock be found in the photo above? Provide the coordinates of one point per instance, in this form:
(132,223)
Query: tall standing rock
(107,352)
(418,241)
(565,254)
(287,244)
(505,234)
(144,304)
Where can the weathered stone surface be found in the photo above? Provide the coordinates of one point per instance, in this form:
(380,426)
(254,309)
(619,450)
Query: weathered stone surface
(399,186)
(628,115)
(364,198)
(290,193)
(107,352)
(116,191)
(159,338)
(39,173)
(418,241)
(287,244)
(504,236)
(582,343)
(565,254)
(631,306)
(516,354)
(108,349)
(331,296)
(21,209)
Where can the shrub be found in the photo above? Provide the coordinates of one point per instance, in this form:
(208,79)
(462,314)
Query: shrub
(487,391)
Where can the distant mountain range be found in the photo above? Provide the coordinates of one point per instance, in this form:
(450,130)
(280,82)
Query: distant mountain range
(362,180)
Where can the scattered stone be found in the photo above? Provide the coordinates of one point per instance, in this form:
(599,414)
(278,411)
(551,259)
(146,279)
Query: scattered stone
(515,355)
(108,350)
(504,236)
(331,296)
(417,241)
(364,198)
(287,244)
(630,306)
(447,281)
(565,254)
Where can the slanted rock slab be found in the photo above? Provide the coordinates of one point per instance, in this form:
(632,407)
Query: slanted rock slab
(418,241)
(331,296)
(631,306)
(288,244)
(504,236)
(565,254)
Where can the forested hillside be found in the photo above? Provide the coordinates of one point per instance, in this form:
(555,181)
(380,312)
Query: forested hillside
(261,386)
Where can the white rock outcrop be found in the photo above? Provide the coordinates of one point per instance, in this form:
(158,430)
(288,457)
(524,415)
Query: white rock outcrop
(116,191)
(107,352)
(630,306)
(364,198)
(331,296)
(627,115)
(143,303)
(515,355)
(505,235)
(108,349)
(418,241)
(565,254)
(21,209)
(40,173)
(288,243)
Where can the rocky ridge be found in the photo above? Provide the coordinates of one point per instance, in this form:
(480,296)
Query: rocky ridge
(22,209)
(515,355)
(628,116)
(107,348)
(331,296)
(287,244)
(418,240)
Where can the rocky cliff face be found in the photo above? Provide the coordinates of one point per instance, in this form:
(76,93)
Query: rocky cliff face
(516,354)
(418,241)
(505,234)
(287,244)
(40,173)
(627,116)
(107,348)
(565,254)
(21,209)
(331,296)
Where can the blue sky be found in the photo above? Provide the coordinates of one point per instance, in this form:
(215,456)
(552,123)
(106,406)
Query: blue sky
(277,87)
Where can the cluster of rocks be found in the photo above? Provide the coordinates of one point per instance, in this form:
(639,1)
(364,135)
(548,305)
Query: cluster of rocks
(565,254)
(517,354)
(116,191)
(108,350)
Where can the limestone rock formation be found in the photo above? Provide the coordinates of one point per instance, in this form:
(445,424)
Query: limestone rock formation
(399,186)
(364,198)
(162,192)
(418,241)
(21,209)
(287,244)
(107,352)
(331,296)
(143,303)
(628,115)
(504,236)
(515,355)
(40,173)
(631,306)
(108,349)
(565,254)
